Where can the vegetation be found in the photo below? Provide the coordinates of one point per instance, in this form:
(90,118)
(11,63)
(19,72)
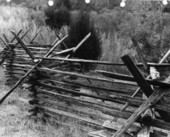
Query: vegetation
(10,15)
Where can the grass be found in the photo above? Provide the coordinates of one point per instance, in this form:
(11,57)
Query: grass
(13,18)
(16,18)
(46,35)
(113,49)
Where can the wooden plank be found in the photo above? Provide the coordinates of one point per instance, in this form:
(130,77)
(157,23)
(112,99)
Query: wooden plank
(104,89)
(65,51)
(116,75)
(19,65)
(103,62)
(22,62)
(153,99)
(33,46)
(84,76)
(17,68)
(45,96)
(131,78)
(23,52)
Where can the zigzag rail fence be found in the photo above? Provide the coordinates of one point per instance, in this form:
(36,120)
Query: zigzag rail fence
(61,90)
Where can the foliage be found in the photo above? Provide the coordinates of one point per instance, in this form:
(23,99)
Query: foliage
(147,22)
(13,18)
(37,16)
(112,50)
(16,18)
(46,35)
(108,20)
(148,25)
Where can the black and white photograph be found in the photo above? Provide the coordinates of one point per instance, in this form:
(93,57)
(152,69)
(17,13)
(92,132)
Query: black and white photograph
(84,68)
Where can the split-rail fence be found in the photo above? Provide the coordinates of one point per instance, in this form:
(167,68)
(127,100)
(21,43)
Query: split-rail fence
(109,104)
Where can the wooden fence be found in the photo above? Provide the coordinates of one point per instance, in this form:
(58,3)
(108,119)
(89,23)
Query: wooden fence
(109,102)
